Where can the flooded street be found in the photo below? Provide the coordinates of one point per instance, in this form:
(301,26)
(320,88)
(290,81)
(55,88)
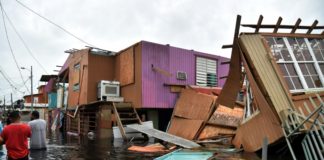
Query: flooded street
(62,146)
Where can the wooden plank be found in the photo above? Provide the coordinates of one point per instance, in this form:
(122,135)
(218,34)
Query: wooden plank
(294,35)
(176,89)
(137,116)
(193,105)
(277,25)
(258,24)
(164,136)
(232,85)
(185,128)
(303,114)
(223,77)
(120,125)
(312,27)
(293,30)
(212,131)
(226,116)
(227,62)
(251,133)
(126,70)
(227,46)
(281,26)
(123,105)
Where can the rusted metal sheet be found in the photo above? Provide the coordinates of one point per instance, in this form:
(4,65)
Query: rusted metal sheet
(193,105)
(164,136)
(185,128)
(267,78)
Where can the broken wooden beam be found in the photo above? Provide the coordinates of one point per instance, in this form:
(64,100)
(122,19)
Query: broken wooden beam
(258,24)
(312,27)
(296,25)
(277,25)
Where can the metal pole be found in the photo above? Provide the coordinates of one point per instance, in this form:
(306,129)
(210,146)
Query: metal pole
(4,104)
(11,101)
(31,88)
(265,148)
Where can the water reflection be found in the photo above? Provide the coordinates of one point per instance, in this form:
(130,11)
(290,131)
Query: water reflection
(61,147)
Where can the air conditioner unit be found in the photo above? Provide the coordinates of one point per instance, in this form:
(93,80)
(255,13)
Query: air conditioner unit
(108,90)
(181,75)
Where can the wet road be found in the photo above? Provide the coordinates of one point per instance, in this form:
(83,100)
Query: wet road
(62,146)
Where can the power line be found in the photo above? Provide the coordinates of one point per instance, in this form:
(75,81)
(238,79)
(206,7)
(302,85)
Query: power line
(60,27)
(6,76)
(22,40)
(13,87)
(11,51)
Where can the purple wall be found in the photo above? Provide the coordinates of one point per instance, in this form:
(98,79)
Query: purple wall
(170,59)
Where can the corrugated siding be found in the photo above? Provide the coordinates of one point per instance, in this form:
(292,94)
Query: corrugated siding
(155,94)
(171,59)
(258,57)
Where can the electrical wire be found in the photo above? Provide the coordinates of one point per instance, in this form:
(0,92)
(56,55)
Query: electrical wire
(23,41)
(6,78)
(53,23)
(11,51)
(13,87)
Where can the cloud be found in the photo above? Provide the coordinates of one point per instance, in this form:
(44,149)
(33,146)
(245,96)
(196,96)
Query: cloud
(203,25)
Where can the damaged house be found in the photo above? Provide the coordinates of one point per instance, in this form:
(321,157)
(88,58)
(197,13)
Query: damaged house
(284,78)
(150,77)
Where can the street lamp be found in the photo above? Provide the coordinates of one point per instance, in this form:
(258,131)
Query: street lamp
(31,86)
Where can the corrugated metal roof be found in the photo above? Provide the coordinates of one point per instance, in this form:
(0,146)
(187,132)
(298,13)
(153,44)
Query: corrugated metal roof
(268,79)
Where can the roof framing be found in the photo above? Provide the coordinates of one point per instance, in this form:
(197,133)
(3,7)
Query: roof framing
(278,26)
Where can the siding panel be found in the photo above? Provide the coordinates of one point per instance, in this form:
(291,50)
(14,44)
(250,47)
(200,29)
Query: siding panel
(170,59)
(266,75)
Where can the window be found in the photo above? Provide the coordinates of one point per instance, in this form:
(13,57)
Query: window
(76,87)
(35,99)
(251,109)
(206,72)
(300,60)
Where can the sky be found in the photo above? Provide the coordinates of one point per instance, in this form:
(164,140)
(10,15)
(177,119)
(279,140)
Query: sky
(203,25)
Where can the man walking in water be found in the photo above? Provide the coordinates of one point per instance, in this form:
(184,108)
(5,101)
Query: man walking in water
(15,137)
(38,129)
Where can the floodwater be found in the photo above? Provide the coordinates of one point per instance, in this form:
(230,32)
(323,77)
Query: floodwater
(62,146)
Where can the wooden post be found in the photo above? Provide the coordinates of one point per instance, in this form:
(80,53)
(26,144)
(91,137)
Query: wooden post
(120,125)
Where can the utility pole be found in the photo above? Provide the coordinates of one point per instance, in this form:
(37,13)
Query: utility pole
(31,88)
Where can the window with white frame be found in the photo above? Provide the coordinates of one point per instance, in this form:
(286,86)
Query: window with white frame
(301,61)
(206,72)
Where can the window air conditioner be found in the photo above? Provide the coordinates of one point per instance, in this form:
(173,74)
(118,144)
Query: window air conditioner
(108,89)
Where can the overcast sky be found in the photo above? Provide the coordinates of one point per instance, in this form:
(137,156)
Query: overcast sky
(203,25)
